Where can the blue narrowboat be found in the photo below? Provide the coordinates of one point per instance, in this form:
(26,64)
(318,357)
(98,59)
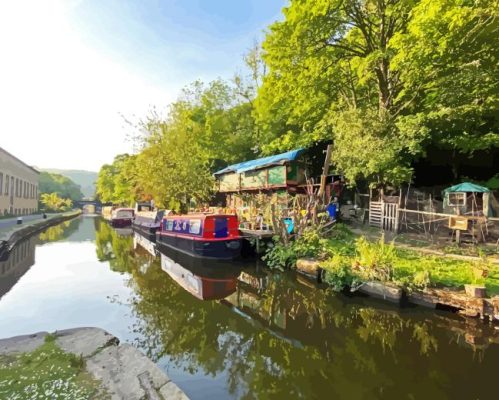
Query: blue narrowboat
(211,236)
(148,222)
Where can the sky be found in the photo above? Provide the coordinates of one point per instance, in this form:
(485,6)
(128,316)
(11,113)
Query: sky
(71,71)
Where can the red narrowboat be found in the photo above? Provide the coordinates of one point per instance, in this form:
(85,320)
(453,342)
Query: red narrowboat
(211,236)
(122,217)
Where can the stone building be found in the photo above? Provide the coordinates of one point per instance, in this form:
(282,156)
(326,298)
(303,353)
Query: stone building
(18,186)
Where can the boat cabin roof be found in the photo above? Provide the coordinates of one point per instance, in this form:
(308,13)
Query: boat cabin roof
(200,216)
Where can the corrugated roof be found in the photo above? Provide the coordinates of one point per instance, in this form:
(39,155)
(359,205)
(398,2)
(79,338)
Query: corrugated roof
(277,159)
(466,187)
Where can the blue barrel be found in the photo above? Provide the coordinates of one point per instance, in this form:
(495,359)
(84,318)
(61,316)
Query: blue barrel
(290,225)
(331,210)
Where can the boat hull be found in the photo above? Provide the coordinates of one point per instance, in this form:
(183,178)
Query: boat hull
(209,249)
(121,222)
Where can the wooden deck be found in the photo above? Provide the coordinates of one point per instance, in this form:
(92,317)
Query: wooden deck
(257,233)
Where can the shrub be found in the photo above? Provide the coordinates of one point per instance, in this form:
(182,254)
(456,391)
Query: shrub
(279,255)
(375,260)
(338,272)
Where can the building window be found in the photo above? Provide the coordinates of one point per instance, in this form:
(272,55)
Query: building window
(1,182)
(6,184)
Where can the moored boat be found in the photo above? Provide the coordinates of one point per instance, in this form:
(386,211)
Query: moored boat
(122,217)
(148,220)
(211,236)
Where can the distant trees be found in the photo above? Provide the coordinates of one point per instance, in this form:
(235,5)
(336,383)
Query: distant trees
(60,185)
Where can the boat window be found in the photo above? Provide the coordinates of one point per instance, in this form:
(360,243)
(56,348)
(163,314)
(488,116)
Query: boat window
(195,226)
(169,225)
(124,214)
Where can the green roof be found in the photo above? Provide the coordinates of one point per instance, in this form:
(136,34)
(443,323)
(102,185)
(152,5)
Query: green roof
(466,187)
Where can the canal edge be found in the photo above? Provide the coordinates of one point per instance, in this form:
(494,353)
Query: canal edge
(122,370)
(20,232)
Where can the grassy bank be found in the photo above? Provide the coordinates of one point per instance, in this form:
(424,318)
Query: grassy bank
(351,259)
(46,373)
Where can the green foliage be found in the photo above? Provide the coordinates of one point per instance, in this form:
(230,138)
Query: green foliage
(311,243)
(348,261)
(375,261)
(447,59)
(372,148)
(52,202)
(85,179)
(338,272)
(384,80)
(280,256)
(62,186)
(47,372)
(117,182)
(208,127)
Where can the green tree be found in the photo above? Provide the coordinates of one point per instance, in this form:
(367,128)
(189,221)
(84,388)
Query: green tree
(52,202)
(387,78)
(63,186)
(447,59)
(173,167)
(117,182)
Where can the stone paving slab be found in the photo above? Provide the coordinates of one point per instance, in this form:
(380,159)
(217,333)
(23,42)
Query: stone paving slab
(125,373)
(119,367)
(22,344)
(84,341)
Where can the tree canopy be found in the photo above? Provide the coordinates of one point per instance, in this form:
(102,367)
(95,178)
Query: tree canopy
(388,82)
(61,185)
(384,78)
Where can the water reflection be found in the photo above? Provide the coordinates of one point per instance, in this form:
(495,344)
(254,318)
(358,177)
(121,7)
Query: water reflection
(244,332)
(114,246)
(59,232)
(15,264)
(145,243)
(206,280)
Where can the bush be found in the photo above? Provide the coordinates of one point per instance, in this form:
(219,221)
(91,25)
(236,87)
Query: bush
(338,272)
(280,256)
(375,260)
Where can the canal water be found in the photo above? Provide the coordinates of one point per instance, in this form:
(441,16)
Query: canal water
(241,331)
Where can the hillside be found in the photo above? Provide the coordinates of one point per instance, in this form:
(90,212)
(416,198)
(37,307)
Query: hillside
(86,179)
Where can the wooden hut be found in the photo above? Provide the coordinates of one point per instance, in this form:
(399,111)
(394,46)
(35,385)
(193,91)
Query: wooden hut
(252,186)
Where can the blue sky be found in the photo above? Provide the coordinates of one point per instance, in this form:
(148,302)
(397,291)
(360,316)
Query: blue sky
(173,41)
(73,66)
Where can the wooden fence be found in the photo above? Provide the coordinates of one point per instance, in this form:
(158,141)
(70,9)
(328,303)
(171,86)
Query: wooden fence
(384,215)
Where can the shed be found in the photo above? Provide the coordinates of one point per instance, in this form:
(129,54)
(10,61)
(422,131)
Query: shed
(467,199)
(274,172)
